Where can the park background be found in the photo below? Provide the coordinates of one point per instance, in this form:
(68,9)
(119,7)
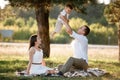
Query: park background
(23,23)
(103,40)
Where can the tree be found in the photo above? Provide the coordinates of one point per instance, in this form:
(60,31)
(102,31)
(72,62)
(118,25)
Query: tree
(112,13)
(7,12)
(41,8)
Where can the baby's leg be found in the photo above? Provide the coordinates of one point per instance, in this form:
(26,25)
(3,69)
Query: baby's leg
(52,34)
(58,26)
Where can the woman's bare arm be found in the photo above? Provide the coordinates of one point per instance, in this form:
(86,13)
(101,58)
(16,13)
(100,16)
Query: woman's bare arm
(43,63)
(31,53)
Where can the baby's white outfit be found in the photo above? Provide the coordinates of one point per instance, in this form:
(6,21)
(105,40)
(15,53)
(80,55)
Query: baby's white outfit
(60,22)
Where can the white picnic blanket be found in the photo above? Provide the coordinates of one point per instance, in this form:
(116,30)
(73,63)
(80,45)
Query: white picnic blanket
(90,72)
(77,73)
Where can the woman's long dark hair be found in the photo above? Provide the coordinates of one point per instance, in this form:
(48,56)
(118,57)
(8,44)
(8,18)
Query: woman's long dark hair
(32,41)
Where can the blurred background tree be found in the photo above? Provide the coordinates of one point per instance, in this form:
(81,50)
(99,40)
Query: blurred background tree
(112,13)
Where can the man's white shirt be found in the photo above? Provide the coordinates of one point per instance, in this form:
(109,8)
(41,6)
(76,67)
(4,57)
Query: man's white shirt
(80,46)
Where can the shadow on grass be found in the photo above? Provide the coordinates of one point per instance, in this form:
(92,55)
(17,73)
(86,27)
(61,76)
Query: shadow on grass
(107,77)
(12,66)
(4,77)
(19,65)
(116,64)
(111,67)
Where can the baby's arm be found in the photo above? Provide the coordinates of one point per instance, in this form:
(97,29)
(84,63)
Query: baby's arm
(64,18)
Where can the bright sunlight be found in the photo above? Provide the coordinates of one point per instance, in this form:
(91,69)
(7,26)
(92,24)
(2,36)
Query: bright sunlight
(3,3)
(104,1)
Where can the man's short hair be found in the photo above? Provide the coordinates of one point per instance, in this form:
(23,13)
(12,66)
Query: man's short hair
(69,5)
(87,30)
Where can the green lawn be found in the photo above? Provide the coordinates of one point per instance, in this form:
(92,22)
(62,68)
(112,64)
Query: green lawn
(9,63)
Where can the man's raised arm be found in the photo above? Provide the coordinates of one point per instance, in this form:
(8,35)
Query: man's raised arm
(68,28)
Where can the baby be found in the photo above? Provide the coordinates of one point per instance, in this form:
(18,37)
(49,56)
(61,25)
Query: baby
(62,18)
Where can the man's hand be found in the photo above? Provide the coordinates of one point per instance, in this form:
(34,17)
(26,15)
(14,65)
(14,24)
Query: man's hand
(64,18)
(67,21)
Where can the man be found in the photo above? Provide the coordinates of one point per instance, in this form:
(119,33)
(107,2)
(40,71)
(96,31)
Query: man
(80,47)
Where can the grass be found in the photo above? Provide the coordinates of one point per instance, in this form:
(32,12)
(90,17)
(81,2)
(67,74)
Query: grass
(15,57)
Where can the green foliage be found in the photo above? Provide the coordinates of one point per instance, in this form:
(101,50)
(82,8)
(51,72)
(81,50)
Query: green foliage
(7,12)
(112,12)
(30,22)
(22,34)
(79,5)
(95,14)
(20,22)
(75,23)
(24,13)
(61,38)
(100,34)
(9,22)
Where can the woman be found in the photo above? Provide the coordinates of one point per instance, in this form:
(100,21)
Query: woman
(36,65)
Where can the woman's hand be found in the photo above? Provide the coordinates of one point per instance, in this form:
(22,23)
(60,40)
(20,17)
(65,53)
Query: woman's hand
(27,73)
(43,63)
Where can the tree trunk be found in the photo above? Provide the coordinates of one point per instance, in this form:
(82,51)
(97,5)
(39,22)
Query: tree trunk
(42,15)
(119,38)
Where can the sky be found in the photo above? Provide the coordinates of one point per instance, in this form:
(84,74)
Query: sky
(3,2)
(104,1)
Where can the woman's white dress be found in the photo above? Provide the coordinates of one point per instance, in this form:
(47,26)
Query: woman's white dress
(38,68)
